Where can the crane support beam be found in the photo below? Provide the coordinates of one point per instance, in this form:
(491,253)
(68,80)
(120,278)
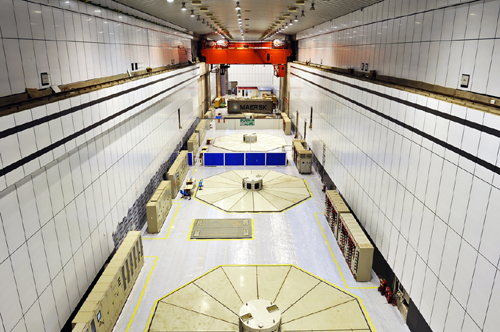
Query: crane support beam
(246,56)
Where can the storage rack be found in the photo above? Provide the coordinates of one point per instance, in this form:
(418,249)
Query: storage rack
(352,241)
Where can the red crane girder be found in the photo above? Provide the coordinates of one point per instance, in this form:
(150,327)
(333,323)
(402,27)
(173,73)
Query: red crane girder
(241,56)
(241,53)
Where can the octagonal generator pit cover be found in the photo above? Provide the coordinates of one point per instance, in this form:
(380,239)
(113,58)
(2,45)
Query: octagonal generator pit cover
(213,301)
(235,142)
(279,191)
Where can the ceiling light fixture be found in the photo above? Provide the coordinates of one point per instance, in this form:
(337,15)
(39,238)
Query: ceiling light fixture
(302,14)
(203,22)
(192,13)
(291,23)
(296,19)
(183,6)
(312,7)
(238,5)
(198,19)
(170,0)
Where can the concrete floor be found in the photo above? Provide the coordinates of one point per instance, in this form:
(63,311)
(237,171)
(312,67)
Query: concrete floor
(298,236)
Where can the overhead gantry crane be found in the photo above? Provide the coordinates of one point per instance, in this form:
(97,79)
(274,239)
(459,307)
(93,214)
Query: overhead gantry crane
(275,53)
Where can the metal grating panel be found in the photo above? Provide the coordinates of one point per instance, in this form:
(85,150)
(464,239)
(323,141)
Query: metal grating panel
(221,229)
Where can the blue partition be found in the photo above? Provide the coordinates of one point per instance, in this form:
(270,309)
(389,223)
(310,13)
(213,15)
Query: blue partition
(276,159)
(190,158)
(255,159)
(213,159)
(235,159)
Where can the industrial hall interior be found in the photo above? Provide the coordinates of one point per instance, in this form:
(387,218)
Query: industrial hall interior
(249,166)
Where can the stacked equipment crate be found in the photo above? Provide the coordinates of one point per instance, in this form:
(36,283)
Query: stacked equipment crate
(103,306)
(352,241)
(158,207)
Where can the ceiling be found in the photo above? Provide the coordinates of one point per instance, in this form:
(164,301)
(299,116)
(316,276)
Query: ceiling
(257,15)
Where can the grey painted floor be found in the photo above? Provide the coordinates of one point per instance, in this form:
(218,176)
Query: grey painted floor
(298,236)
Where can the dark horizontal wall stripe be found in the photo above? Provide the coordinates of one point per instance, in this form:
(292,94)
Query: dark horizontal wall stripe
(40,152)
(450,147)
(474,125)
(31,124)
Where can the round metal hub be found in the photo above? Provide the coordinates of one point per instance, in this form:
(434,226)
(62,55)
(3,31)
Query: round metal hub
(260,315)
(253,182)
(250,138)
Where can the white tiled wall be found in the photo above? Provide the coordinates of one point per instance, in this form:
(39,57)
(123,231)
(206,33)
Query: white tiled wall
(434,41)
(432,213)
(252,75)
(59,211)
(77,41)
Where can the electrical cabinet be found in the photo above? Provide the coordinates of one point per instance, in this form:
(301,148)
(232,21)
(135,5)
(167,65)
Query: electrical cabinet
(301,156)
(193,143)
(80,327)
(158,207)
(287,124)
(334,206)
(178,171)
(210,113)
(357,249)
(201,130)
(103,306)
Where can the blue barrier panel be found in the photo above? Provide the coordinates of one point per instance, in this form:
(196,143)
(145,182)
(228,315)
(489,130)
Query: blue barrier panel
(190,158)
(213,159)
(235,159)
(276,159)
(255,159)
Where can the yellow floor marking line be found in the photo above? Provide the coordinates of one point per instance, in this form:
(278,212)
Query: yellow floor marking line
(331,252)
(142,293)
(310,192)
(164,238)
(252,238)
(151,316)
